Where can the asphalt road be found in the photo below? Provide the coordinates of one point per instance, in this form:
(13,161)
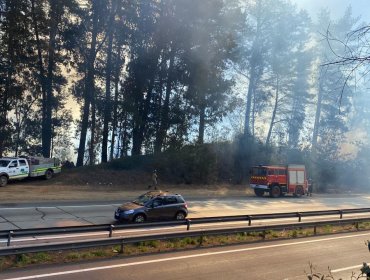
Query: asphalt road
(87,213)
(288,259)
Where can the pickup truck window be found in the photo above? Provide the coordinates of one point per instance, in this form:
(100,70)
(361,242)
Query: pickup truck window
(14,163)
(4,162)
(22,162)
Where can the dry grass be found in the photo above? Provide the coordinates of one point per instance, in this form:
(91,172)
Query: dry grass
(102,184)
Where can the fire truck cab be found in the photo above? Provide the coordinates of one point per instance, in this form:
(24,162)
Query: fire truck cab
(279,180)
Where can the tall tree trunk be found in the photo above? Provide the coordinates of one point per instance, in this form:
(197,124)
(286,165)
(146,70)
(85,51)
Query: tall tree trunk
(162,131)
(55,11)
(158,107)
(253,114)
(202,122)
(17,130)
(253,71)
(3,121)
(143,119)
(107,106)
(124,136)
(40,64)
(268,138)
(115,107)
(318,113)
(7,96)
(92,131)
(143,109)
(137,119)
(251,90)
(89,86)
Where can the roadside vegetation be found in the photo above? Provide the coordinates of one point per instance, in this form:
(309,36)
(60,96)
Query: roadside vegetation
(200,91)
(209,164)
(158,246)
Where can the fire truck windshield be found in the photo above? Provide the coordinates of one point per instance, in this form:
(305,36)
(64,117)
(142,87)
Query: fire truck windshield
(259,171)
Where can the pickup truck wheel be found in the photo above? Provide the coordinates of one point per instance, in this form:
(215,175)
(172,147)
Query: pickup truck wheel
(48,174)
(3,181)
(275,191)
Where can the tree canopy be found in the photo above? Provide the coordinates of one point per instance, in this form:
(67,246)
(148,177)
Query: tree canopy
(96,80)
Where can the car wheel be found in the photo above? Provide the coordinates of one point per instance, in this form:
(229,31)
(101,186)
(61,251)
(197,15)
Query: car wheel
(140,218)
(3,181)
(180,215)
(259,192)
(48,174)
(275,191)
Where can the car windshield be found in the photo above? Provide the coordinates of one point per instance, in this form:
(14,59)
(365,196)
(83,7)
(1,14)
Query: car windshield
(4,162)
(142,199)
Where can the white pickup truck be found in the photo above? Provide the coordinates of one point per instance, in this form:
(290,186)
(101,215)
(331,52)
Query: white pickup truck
(14,168)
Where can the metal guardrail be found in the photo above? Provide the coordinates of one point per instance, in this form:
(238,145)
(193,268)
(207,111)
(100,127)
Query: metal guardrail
(73,245)
(109,228)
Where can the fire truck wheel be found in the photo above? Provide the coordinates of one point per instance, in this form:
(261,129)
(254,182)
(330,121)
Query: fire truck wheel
(259,192)
(275,191)
(298,191)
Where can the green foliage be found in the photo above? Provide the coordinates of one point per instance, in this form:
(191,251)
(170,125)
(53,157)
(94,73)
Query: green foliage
(155,77)
(100,253)
(73,256)
(23,259)
(191,164)
(133,162)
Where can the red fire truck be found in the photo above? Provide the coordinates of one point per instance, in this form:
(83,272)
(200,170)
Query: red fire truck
(279,180)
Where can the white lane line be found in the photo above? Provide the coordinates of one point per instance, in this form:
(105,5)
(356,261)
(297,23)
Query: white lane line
(183,257)
(346,268)
(331,271)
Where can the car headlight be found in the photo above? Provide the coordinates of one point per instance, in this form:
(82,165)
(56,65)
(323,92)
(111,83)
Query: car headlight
(128,212)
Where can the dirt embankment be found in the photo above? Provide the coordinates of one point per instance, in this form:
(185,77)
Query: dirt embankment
(99,185)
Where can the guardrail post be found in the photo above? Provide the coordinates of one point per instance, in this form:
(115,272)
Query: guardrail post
(122,247)
(201,239)
(314,230)
(264,235)
(111,227)
(341,214)
(187,224)
(249,220)
(356,224)
(10,235)
(299,217)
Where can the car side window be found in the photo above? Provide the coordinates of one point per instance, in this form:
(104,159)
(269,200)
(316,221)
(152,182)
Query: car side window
(157,202)
(14,163)
(22,162)
(170,200)
(180,199)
